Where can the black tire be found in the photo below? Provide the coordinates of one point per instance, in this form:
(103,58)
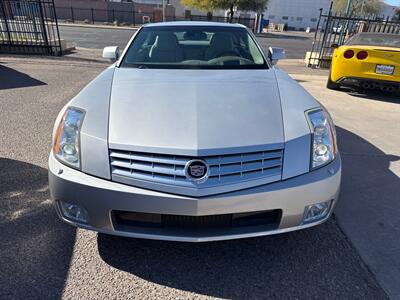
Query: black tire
(332,85)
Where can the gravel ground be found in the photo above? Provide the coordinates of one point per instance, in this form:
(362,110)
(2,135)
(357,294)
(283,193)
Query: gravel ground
(42,258)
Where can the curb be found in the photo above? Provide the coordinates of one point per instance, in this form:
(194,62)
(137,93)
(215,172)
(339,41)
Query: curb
(97,26)
(78,55)
(81,54)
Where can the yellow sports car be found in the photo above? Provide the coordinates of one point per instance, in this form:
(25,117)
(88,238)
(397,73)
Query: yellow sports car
(367,61)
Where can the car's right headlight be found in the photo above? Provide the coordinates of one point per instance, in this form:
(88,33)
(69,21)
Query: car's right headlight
(66,145)
(324,147)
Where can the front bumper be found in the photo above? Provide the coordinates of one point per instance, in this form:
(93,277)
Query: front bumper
(102,197)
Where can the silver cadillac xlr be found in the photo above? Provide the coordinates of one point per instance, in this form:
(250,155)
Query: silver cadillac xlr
(194,135)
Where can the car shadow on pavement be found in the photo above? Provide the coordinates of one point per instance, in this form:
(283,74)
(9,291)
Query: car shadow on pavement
(304,264)
(35,247)
(376,95)
(12,79)
(369,207)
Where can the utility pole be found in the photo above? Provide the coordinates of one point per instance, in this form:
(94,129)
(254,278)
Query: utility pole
(362,9)
(348,7)
(163,10)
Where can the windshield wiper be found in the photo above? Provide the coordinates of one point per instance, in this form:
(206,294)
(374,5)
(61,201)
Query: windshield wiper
(137,66)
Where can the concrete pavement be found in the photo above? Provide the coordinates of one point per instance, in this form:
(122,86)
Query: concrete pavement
(47,259)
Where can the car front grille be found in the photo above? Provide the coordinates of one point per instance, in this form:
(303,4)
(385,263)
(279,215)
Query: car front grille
(167,172)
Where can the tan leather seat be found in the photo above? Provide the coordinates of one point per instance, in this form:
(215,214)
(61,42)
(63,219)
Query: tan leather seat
(221,45)
(166,49)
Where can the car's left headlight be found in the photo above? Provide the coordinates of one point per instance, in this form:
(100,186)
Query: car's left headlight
(324,147)
(66,145)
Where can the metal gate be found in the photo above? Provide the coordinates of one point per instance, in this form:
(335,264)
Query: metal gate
(334,29)
(29,27)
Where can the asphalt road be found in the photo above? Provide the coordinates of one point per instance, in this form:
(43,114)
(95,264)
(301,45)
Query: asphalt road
(296,44)
(42,258)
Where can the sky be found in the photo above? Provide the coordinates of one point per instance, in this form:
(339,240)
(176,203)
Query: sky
(393,2)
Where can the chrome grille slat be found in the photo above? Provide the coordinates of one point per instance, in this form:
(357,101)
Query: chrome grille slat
(180,181)
(149,158)
(244,167)
(160,170)
(263,172)
(153,168)
(228,159)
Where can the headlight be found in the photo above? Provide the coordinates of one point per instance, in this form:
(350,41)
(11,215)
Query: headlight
(324,146)
(67,139)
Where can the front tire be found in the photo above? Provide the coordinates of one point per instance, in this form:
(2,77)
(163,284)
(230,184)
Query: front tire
(332,85)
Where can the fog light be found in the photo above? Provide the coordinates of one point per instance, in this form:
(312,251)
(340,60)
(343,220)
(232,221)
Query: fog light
(74,212)
(316,212)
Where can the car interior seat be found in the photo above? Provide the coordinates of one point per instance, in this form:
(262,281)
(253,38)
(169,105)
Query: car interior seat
(221,45)
(166,49)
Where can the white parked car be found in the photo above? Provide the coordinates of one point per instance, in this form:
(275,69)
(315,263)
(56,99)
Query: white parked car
(194,135)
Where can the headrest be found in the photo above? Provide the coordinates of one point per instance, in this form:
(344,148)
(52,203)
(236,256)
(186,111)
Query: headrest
(166,41)
(222,41)
(193,35)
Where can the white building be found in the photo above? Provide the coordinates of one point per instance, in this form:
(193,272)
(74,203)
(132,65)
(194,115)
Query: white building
(388,10)
(296,14)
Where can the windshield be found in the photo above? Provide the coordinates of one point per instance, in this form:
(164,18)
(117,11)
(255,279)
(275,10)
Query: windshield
(194,47)
(375,39)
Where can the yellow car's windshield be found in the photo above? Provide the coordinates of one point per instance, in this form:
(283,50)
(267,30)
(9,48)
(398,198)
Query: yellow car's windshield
(375,39)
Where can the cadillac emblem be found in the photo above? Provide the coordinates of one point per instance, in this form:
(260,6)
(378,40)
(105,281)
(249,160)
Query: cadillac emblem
(196,170)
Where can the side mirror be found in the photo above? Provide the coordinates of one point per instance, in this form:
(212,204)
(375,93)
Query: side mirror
(111,53)
(334,46)
(275,54)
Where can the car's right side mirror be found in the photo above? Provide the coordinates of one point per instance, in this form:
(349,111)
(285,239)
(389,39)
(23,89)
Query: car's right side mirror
(334,45)
(275,54)
(111,53)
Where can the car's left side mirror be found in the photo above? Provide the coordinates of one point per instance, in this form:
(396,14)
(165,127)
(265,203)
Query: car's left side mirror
(334,45)
(275,54)
(111,53)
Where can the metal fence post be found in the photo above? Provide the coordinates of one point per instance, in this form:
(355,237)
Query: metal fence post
(3,11)
(326,34)
(91,10)
(113,14)
(315,37)
(72,15)
(44,29)
(384,27)
(58,31)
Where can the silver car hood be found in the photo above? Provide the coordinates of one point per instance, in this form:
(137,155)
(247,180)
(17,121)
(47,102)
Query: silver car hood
(193,112)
